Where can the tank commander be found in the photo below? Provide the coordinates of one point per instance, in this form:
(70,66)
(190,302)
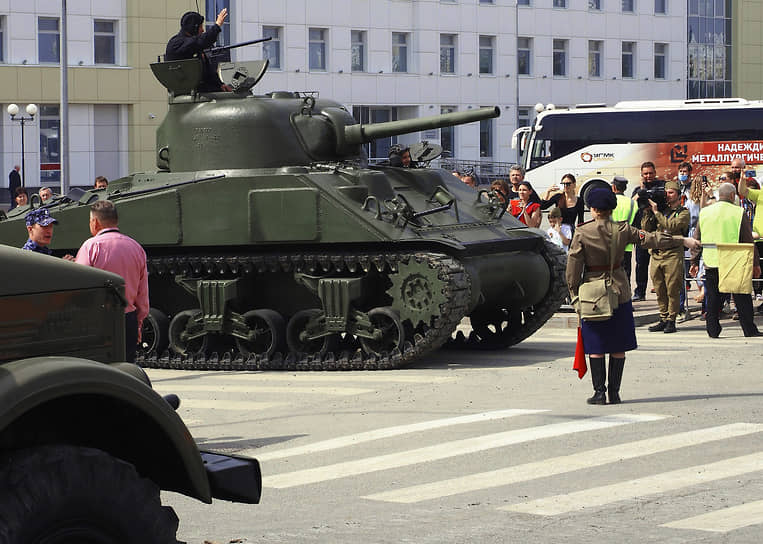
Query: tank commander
(193,40)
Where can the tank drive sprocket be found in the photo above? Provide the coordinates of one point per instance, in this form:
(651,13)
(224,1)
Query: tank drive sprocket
(417,291)
(495,327)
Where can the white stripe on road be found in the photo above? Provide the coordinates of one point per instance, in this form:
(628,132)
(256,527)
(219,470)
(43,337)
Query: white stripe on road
(563,464)
(723,521)
(365,376)
(650,485)
(387,432)
(209,404)
(254,388)
(449,449)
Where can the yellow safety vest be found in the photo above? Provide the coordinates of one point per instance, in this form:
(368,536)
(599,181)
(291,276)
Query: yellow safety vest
(719,224)
(625,211)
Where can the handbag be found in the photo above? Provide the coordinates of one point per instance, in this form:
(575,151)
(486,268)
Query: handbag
(597,300)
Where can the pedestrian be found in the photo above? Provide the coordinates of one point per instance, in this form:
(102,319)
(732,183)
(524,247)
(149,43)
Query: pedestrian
(749,192)
(558,232)
(39,226)
(667,265)
(625,211)
(649,181)
(589,259)
(14,182)
(111,250)
(523,208)
(567,200)
(724,223)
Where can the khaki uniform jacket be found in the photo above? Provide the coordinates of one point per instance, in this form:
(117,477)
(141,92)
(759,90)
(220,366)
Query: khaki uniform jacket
(590,248)
(675,222)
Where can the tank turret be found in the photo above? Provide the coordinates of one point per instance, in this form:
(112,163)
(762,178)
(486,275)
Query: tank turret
(272,244)
(239,130)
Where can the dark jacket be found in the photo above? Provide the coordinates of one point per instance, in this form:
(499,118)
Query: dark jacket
(182,46)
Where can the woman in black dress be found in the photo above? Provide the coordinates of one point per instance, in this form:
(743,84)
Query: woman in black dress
(567,200)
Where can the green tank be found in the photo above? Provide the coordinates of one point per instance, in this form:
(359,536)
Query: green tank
(272,243)
(85,443)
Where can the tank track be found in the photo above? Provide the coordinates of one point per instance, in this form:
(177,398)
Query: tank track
(456,290)
(532,318)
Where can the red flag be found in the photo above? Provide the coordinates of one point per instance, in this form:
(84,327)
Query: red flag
(580,364)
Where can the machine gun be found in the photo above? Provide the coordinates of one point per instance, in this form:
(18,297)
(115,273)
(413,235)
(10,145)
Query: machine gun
(222,53)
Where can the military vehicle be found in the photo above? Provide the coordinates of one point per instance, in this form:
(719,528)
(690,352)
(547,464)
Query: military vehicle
(273,244)
(85,442)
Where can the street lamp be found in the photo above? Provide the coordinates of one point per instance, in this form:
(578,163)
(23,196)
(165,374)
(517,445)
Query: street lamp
(13,111)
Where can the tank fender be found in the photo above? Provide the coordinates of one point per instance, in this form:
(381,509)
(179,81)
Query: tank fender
(71,400)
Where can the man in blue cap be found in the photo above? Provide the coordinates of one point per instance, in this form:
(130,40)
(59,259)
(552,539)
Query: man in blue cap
(39,225)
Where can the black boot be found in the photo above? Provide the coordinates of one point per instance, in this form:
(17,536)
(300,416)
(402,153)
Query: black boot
(599,378)
(670,326)
(657,327)
(616,365)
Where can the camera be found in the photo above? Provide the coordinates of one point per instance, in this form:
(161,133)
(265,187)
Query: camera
(656,194)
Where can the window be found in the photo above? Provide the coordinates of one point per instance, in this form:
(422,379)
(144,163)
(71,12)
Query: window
(661,7)
(560,3)
(523,117)
(486,1)
(214,7)
(272,50)
(399,52)
(358,53)
(594,5)
(486,138)
(524,56)
(523,2)
(628,60)
(487,49)
(106,142)
(317,48)
(594,58)
(660,60)
(448,134)
(104,42)
(50,155)
(560,58)
(2,38)
(628,6)
(447,53)
(48,40)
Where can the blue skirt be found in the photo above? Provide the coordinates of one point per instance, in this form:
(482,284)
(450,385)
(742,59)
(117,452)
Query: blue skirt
(614,335)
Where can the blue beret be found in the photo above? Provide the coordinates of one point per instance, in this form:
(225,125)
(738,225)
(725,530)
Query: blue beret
(601,199)
(41,216)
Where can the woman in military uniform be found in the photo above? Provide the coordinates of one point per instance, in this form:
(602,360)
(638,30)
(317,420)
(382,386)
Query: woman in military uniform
(588,260)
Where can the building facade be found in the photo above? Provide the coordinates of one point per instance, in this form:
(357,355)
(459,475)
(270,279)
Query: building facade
(383,59)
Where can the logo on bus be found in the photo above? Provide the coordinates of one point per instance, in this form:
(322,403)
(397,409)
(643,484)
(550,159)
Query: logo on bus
(590,157)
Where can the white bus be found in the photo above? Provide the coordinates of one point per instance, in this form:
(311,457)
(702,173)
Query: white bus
(595,142)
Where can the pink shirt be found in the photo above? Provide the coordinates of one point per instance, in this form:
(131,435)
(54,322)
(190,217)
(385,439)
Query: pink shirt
(115,252)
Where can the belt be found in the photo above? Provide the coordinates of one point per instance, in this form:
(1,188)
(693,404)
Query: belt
(601,268)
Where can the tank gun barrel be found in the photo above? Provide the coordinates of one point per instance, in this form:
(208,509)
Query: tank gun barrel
(222,53)
(358,134)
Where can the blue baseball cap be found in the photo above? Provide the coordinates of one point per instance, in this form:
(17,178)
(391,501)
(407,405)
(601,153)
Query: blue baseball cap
(40,216)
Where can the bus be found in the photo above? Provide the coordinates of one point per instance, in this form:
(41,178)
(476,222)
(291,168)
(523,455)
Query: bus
(596,143)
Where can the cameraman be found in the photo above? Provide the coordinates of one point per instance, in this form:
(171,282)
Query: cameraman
(649,181)
(668,264)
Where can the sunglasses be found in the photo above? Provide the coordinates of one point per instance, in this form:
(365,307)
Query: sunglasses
(722,178)
(567,183)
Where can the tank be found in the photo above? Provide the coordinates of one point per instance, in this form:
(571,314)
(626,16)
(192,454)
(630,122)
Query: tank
(77,421)
(273,244)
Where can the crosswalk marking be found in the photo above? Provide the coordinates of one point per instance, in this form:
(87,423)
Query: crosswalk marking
(650,485)
(165,376)
(724,520)
(295,389)
(450,449)
(387,432)
(211,404)
(563,464)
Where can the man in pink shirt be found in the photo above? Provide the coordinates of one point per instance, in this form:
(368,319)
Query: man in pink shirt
(111,250)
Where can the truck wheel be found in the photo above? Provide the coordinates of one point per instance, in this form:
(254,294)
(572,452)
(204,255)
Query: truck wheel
(62,494)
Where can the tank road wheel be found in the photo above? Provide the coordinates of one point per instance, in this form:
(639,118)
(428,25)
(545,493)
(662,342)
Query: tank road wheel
(154,336)
(387,321)
(179,342)
(491,325)
(297,327)
(269,333)
(65,494)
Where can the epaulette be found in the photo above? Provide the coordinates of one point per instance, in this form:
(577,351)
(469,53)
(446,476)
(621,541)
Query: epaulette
(586,222)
